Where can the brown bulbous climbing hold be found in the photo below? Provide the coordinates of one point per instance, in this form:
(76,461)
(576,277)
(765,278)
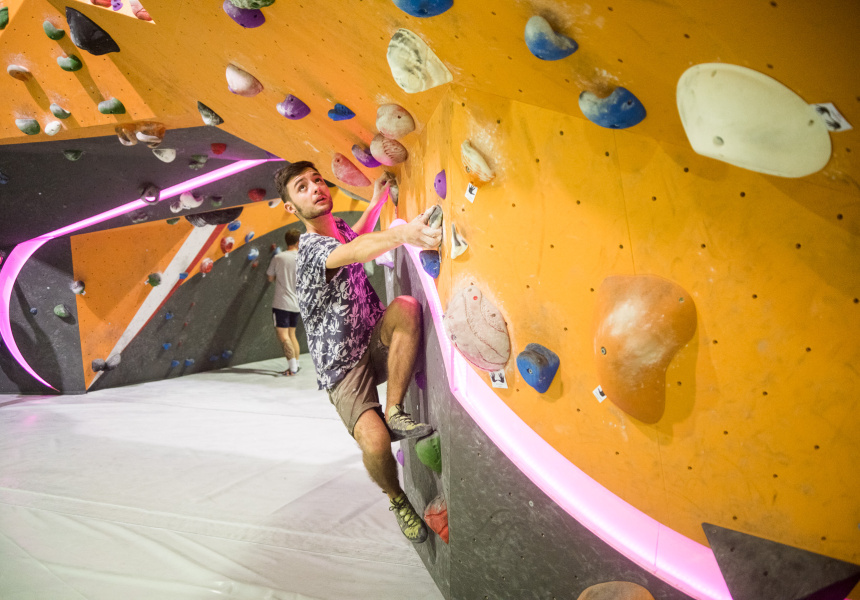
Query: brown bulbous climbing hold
(139,11)
(388,152)
(347,172)
(640,323)
(150,133)
(393,121)
(616,590)
(126,134)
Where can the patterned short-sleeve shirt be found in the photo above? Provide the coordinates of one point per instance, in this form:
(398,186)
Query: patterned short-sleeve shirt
(339,315)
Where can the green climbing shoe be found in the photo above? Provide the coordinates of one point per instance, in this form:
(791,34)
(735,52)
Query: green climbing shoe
(410,523)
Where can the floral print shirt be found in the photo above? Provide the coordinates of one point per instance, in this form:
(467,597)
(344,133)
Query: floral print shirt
(339,315)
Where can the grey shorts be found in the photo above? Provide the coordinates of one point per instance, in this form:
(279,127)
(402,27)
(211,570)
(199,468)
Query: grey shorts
(356,392)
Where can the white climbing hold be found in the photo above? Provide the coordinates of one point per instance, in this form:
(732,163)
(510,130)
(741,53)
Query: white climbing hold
(242,83)
(167,155)
(393,121)
(53,128)
(388,152)
(189,200)
(476,165)
(458,243)
(413,64)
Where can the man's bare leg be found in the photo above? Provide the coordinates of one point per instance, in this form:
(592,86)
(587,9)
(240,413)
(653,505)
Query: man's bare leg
(375,443)
(287,345)
(296,348)
(401,332)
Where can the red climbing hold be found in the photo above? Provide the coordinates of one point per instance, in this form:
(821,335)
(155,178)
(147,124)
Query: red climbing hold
(436,517)
(219,148)
(257,194)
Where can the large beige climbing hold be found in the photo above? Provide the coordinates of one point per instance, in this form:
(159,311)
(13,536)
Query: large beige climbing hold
(616,590)
(393,121)
(347,172)
(479,171)
(478,330)
(241,82)
(150,133)
(125,132)
(640,323)
(414,66)
(388,152)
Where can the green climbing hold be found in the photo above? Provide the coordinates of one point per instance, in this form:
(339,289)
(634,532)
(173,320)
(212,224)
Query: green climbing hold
(4,17)
(173,221)
(429,452)
(111,107)
(197,161)
(154,279)
(60,112)
(216,201)
(70,63)
(28,126)
(52,32)
(73,155)
(252,4)
(62,311)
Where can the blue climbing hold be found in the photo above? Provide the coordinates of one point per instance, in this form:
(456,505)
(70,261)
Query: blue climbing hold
(213,358)
(174,363)
(249,237)
(431,262)
(620,110)
(168,316)
(34,311)
(189,362)
(166,345)
(227,354)
(234,225)
(538,366)
(183,275)
(440,184)
(340,113)
(545,43)
(276,250)
(253,254)
(423,8)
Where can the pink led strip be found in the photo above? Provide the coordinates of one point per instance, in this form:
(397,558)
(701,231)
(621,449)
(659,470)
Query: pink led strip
(13,264)
(676,559)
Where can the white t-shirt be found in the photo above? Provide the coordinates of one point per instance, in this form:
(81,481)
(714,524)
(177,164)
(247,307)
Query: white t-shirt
(283,268)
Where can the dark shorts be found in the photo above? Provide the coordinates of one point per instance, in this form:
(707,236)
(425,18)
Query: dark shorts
(356,392)
(285,318)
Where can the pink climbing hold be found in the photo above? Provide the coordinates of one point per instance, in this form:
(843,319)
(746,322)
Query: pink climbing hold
(477,329)
(393,121)
(138,10)
(242,83)
(388,152)
(347,172)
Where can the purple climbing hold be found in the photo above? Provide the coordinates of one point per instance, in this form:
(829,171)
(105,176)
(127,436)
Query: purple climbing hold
(400,458)
(293,108)
(441,184)
(340,113)
(430,262)
(246,17)
(421,380)
(364,156)
(233,226)
(116,4)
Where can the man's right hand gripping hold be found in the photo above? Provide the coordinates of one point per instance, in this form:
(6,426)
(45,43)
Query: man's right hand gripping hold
(356,343)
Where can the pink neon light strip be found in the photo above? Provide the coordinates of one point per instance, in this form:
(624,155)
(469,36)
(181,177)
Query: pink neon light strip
(11,267)
(676,559)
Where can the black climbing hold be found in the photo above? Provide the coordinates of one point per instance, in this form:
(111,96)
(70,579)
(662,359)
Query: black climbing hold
(88,36)
(97,365)
(215,217)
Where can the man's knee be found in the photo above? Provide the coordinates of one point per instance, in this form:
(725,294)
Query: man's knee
(372,435)
(406,312)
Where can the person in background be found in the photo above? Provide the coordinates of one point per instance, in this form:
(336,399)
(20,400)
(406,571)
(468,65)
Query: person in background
(285,304)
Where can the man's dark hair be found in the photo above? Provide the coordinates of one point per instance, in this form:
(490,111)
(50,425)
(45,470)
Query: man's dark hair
(291,237)
(291,171)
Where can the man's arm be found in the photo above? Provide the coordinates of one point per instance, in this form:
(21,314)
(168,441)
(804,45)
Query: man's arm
(367,222)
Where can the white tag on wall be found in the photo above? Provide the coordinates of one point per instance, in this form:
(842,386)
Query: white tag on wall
(498,379)
(471,192)
(832,117)
(598,393)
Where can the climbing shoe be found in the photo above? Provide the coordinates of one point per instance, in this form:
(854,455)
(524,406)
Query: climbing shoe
(403,427)
(410,523)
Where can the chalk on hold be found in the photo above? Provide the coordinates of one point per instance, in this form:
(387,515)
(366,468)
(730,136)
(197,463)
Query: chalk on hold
(19,72)
(174,363)
(292,108)
(112,362)
(252,4)
(197,161)
(257,194)
(400,457)
(167,155)
(393,187)
(98,364)
(340,113)
(228,216)
(436,517)
(347,172)
(435,216)
(52,31)
(458,243)
(34,311)
(209,116)
(28,126)
(111,106)
(423,8)
(59,112)
(227,244)
(388,152)
(176,206)
(62,311)
(249,236)
(274,202)
(53,128)
(477,329)
(253,254)
(4,17)
(430,262)
(73,155)
(70,63)
(206,265)
(538,366)
(242,83)
(429,452)
(364,156)
(393,121)
(440,184)
(248,18)
(154,279)
(78,288)
(218,148)
(616,590)
(234,225)
(150,193)
(139,11)
(475,165)
(413,64)
(150,133)
(88,36)
(620,110)
(139,216)
(189,200)
(545,43)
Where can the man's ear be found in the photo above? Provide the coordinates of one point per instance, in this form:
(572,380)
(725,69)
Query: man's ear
(288,206)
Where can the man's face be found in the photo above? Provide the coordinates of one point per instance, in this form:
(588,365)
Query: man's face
(309,195)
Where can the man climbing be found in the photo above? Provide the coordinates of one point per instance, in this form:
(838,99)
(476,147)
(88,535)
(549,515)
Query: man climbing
(285,303)
(356,342)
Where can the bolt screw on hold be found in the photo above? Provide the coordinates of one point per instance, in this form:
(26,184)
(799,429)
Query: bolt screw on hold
(603,350)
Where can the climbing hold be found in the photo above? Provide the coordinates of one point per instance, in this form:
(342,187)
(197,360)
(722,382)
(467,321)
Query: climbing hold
(435,216)
(154,279)
(150,133)
(538,366)
(60,112)
(112,106)
(253,254)
(167,155)
(210,117)
(234,225)
(4,17)
(293,108)
(19,72)
(393,187)
(458,244)
(138,216)
(619,110)
(206,266)
(197,161)
(475,165)
(53,128)
(274,202)
(388,152)
(242,83)
(364,156)
(393,121)
(440,184)
(70,63)
(28,126)
(386,260)
(429,452)
(78,288)
(545,43)
(257,194)
(477,329)
(218,148)
(189,362)
(183,275)
(400,457)
(421,380)
(213,357)
(168,315)
(125,134)
(52,31)
(34,311)
(173,221)
(73,155)
(347,172)
(248,18)
(252,4)
(174,363)
(424,8)
(116,4)
(88,36)
(640,323)
(616,590)
(166,345)
(227,244)
(275,250)
(62,311)
(216,200)
(112,362)
(139,11)
(150,193)
(188,200)
(340,113)
(176,206)
(436,517)
(430,262)
(413,64)
(105,3)
(249,236)
(97,365)
(227,217)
